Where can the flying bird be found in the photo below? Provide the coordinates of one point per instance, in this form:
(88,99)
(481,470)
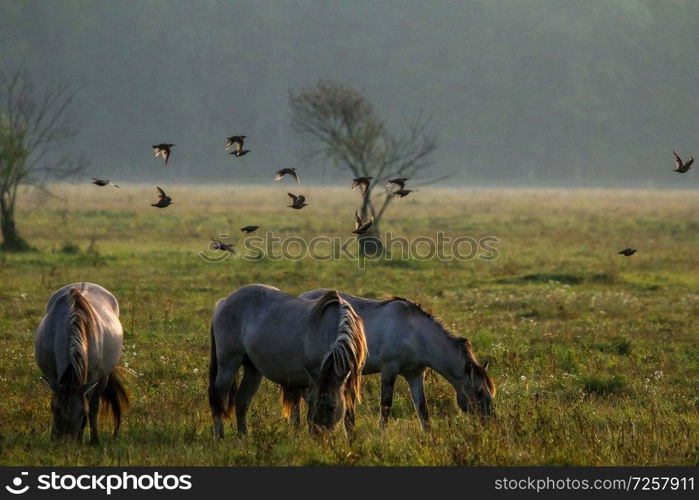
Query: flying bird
(219,245)
(162,150)
(399,181)
(402,192)
(249,229)
(163,200)
(238,140)
(287,171)
(359,226)
(682,167)
(362,182)
(298,202)
(627,252)
(103,182)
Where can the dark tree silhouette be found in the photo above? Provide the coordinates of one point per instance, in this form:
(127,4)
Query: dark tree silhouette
(338,122)
(34,129)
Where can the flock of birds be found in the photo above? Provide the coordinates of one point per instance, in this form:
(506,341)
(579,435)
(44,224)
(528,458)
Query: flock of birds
(164,150)
(681,167)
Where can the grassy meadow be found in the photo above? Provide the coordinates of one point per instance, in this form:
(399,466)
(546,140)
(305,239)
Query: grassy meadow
(595,355)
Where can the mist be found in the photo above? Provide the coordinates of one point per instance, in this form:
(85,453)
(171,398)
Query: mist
(538,93)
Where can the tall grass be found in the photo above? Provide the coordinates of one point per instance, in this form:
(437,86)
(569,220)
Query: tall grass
(595,355)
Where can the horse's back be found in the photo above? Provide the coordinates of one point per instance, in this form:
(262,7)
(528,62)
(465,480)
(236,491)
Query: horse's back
(106,334)
(103,304)
(267,327)
(98,296)
(246,313)
(387,328)
(246,300)
(359,304)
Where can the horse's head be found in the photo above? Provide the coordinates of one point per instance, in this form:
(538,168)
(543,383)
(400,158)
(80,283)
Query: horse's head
(334,393)
(326,398)
(475,390)
(69,407)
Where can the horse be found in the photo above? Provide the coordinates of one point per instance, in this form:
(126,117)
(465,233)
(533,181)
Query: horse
(78,347)
(404,339)
(315,346)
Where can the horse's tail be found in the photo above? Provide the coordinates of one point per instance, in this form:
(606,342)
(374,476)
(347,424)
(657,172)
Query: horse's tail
(290,398)
(218,406)
(81,326)
(114,397)
(348,354)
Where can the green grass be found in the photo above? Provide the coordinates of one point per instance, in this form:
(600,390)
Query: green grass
(596,356)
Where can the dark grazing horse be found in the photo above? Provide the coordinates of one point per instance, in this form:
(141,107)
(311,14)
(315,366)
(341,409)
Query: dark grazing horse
(404,340)
(317,346)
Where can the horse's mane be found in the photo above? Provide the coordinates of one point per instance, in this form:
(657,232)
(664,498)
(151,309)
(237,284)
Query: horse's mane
(348,353)
(83,320)
(82,317)
(461,343)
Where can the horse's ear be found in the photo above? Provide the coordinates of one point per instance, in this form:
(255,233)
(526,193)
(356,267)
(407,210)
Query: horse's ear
(341,377)
(88,388)
(340,371)
(486,365)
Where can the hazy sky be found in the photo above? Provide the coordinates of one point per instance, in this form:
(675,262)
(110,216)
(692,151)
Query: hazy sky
(521,92)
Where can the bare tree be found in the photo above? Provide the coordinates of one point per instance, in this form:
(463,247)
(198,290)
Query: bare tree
(339,123)
(34,129)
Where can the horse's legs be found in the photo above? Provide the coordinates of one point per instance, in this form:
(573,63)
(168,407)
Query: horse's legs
(388,381)
(295,412)
(225,377)
(417,391)
(248,387)
(349,423)
(309,405)
(93,413)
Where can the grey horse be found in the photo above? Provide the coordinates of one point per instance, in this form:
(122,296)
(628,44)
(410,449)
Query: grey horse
(78,346)
(404,340)
(315,345)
